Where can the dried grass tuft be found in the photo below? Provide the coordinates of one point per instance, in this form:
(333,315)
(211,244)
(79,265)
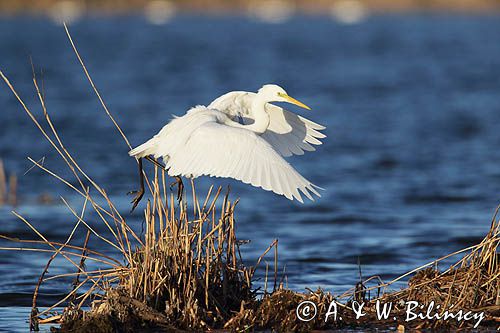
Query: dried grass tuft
(471,284)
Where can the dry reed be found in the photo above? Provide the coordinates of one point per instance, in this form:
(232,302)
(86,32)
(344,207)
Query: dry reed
(8,187)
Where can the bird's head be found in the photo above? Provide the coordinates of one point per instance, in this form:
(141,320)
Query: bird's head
(274,93)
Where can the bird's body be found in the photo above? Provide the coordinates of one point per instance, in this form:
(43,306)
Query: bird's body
(239,135)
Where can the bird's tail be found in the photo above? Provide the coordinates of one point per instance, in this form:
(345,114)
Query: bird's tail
(147,148)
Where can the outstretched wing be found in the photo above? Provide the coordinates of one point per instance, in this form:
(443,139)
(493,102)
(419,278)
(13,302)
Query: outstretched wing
(288,133)
(206,146)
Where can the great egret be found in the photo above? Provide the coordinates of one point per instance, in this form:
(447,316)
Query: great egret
(241,136)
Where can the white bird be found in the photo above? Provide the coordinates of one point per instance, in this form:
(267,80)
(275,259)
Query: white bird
(241,136)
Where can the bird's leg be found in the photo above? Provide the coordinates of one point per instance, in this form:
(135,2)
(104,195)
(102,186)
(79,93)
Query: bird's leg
(155,162)
(140,193)
(180,187)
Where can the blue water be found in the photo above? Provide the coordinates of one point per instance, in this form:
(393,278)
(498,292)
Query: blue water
(410,166)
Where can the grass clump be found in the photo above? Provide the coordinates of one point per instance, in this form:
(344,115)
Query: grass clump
(185,272)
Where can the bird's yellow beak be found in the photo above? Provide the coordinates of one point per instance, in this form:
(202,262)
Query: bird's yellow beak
(292,100)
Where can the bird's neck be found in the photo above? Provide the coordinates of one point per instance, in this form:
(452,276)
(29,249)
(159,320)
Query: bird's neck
(261,117)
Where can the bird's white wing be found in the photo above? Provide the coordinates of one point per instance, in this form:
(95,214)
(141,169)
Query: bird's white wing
(198,144)
(288,133)
(236,104)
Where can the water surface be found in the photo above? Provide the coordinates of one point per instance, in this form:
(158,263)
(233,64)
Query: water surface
(410,164)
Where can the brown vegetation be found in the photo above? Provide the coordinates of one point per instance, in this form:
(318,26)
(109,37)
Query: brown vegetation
(8,187)
(112,6)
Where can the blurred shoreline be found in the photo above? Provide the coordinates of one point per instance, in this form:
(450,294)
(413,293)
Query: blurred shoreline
(11,7)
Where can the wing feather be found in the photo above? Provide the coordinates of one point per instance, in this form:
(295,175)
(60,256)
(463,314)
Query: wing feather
(288,133)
